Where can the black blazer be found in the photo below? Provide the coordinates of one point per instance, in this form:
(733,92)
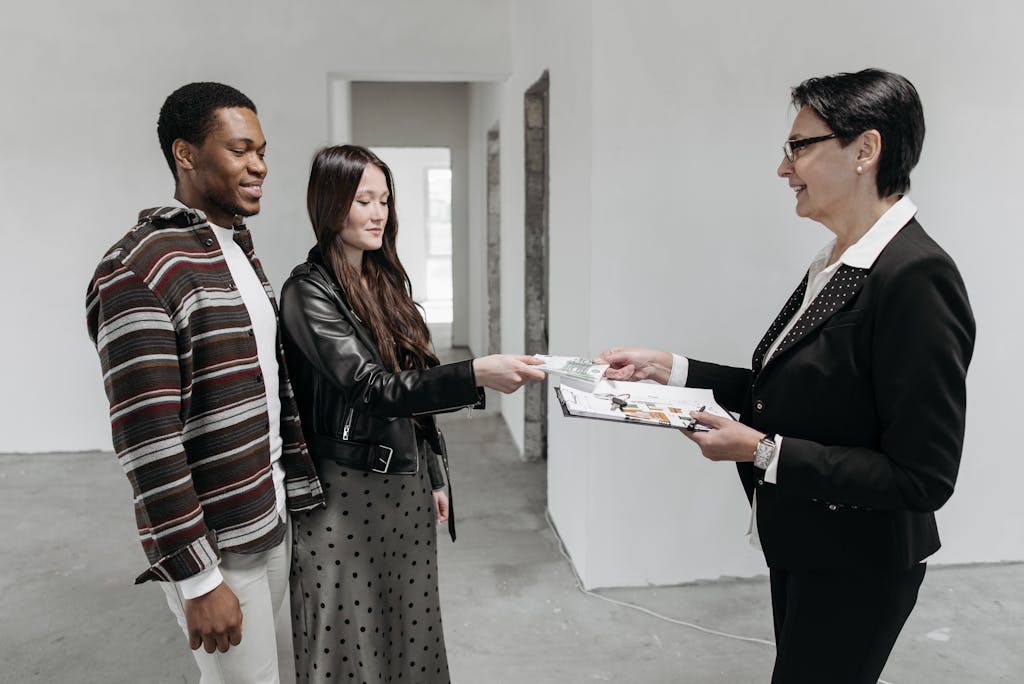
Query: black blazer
(868,393)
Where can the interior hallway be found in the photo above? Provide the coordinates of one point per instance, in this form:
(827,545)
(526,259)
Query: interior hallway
(513,613)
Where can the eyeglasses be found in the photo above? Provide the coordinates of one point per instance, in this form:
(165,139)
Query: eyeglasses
(791,146)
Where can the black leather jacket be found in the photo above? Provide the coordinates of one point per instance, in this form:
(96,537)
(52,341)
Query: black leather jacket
(353,409)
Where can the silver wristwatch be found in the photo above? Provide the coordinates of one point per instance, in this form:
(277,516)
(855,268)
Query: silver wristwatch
(764,454)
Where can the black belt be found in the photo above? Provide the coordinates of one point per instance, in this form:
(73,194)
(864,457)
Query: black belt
(375,458)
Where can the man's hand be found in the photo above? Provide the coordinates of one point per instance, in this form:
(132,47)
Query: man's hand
(214,620)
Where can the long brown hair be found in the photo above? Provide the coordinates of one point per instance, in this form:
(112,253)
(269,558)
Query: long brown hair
(382,295)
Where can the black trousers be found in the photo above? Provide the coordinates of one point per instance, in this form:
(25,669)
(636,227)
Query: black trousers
(838,626)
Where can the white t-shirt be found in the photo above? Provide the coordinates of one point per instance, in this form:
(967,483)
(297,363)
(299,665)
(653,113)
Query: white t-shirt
(264,323)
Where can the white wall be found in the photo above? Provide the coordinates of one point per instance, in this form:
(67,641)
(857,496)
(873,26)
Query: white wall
(556,37)
(83,83)
(666,125)
(666,122)
(690,109)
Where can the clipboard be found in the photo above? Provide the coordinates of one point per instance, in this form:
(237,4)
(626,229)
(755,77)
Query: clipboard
(639,403)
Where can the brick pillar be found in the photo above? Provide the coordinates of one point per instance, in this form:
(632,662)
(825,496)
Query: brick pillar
(535,118)
(493,241)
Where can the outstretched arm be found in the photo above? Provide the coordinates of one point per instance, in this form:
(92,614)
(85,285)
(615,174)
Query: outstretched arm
(637,363)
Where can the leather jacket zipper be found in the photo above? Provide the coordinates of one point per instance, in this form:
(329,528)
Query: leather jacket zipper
(443,410)
(348,425)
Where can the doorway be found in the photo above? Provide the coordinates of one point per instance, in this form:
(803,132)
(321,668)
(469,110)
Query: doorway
(423,199)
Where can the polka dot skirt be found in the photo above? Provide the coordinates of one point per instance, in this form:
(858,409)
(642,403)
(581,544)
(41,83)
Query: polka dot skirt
(365,606)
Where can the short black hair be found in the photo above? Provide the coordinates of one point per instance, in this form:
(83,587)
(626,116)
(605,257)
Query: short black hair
(188,113)
(851,103)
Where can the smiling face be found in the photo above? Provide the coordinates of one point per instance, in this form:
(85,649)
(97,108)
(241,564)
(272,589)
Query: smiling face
(824,173)
(363,228)
(224,176)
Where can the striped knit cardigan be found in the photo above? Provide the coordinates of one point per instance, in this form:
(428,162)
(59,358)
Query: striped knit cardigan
(188,407)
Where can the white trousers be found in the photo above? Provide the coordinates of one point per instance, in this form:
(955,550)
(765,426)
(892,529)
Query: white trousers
(260,581)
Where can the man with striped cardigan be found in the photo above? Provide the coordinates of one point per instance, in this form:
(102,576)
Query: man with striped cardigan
(201,409)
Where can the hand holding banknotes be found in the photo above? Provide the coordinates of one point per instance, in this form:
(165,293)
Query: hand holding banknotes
(636,363)
(506,372)
(727,440)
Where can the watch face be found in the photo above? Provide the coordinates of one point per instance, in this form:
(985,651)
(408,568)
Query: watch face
(765,449)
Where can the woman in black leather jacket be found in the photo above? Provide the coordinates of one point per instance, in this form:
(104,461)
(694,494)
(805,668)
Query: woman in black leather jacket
(364,582)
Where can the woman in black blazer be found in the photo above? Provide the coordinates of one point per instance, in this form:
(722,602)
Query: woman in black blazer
(852,412)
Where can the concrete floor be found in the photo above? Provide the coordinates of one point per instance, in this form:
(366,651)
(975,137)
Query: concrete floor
(513,613)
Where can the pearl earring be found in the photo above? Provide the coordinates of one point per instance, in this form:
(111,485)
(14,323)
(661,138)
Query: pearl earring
(860,169)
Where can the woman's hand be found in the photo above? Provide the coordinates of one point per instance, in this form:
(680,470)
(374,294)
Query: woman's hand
(440,506)
(506,372)
(730,440)
(636,363)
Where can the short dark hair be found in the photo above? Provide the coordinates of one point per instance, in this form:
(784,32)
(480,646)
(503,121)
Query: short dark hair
(188,113)
(851,103)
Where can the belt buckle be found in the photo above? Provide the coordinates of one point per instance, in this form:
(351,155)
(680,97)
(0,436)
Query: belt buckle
(387,461)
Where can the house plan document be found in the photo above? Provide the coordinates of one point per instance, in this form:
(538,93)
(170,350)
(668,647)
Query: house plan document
(640,403)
